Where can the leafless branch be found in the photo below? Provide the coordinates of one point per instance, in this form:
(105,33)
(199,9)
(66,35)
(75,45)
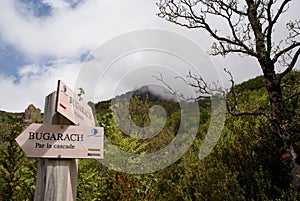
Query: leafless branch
(281,10)
(284,51)
(170,90)
(294,29)
(291,65)
(181,12)
(192,80)
(234,109)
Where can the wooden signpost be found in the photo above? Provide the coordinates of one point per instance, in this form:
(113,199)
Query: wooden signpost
(68,132)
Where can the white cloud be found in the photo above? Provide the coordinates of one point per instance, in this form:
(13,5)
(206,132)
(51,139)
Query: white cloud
(34,83)
(68,31)
(28,70)
(56,4)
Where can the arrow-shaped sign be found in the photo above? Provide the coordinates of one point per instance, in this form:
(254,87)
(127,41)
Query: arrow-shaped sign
(58,141)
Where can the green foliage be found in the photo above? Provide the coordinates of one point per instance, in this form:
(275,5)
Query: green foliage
(17,173)
(96,181)
(252,84)
(243,166)
(116,137)
(89,180)
(290,87)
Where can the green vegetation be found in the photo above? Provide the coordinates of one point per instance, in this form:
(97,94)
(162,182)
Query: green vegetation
(17,173)
(243,166)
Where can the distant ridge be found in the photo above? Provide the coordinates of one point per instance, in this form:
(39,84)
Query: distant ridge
(148,92)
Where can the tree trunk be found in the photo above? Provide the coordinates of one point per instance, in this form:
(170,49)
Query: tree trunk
(277,118)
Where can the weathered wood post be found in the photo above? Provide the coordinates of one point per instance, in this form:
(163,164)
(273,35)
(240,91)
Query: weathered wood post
(56,178)
(57,169)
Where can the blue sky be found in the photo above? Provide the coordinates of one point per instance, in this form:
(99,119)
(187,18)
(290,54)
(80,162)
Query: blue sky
(42,41)
(37,7)
(11,57)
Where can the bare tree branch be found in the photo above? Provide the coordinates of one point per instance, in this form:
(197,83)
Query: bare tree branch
(280,11)
(234,110)
(174,11)
(291,65)
(171,90)
(283,51)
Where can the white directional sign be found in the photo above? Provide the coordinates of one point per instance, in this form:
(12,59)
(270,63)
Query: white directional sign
(70,106)
(57,141)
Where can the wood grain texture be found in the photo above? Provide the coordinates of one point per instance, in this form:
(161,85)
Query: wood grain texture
(56,178)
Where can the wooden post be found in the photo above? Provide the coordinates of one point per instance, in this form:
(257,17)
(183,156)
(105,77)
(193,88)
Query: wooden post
(56,178)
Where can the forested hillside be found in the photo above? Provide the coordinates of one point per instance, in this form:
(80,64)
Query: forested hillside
(243,166)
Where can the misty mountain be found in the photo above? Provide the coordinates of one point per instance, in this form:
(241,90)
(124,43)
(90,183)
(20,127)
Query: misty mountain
(149,92)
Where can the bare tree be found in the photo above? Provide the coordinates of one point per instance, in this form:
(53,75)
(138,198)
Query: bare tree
(249,28)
